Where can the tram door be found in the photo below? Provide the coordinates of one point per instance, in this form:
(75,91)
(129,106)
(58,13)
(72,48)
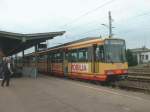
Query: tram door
(65,63)
(95,63)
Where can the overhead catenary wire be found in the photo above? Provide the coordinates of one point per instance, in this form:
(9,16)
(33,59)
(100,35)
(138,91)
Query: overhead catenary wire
(87,32)
(88,12)
(143,14)
(87,24)
(133,18)
(81,16)
(139,15)
(136,16)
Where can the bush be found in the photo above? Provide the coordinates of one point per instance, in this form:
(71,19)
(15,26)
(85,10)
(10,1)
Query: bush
(132,60)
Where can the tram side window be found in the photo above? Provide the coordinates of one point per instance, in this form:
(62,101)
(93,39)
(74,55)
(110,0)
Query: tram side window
(73,56)
(102,57)
(83,55)
(49,57)
(66,55)
(99,52)
(53,57)
(45,57)
(41,58)
(57,57)
(90,54)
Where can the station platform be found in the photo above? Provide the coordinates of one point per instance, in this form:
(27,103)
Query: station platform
(52,94)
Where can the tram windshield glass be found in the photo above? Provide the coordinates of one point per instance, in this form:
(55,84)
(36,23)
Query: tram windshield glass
(115,50)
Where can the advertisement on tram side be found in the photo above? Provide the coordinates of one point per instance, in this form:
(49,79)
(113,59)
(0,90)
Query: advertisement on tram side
(57,67)
(79,67)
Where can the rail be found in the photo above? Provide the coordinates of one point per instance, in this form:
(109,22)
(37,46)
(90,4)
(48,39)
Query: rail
(136,81)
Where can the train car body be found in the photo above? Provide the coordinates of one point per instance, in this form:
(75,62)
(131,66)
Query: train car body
(90,59)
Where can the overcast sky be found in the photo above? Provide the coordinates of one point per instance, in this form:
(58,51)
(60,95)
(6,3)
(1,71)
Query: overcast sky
(80,18)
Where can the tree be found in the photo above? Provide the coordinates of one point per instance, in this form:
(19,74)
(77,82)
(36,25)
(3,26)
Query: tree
(132,60)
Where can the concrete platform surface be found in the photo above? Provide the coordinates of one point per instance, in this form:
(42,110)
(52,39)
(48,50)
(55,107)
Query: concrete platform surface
(50,94)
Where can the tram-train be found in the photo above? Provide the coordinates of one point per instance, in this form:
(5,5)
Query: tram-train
(90,59)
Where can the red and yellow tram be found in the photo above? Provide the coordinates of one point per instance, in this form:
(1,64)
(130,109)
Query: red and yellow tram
(90,59)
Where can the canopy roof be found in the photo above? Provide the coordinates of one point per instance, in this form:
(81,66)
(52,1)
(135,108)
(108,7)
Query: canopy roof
(11,43)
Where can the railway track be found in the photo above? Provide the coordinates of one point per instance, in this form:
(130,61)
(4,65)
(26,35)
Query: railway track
(139,78)
(132,83)
(136,81)
(139,71)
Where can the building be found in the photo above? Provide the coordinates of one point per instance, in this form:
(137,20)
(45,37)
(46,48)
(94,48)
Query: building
(142,55)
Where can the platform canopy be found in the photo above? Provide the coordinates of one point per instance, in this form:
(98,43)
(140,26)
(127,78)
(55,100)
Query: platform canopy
(12,43)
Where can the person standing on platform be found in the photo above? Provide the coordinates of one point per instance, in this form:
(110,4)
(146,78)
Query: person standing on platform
(1,68)
(6,72)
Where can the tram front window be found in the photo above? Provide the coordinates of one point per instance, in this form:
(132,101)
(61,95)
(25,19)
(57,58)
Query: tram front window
(115,51)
